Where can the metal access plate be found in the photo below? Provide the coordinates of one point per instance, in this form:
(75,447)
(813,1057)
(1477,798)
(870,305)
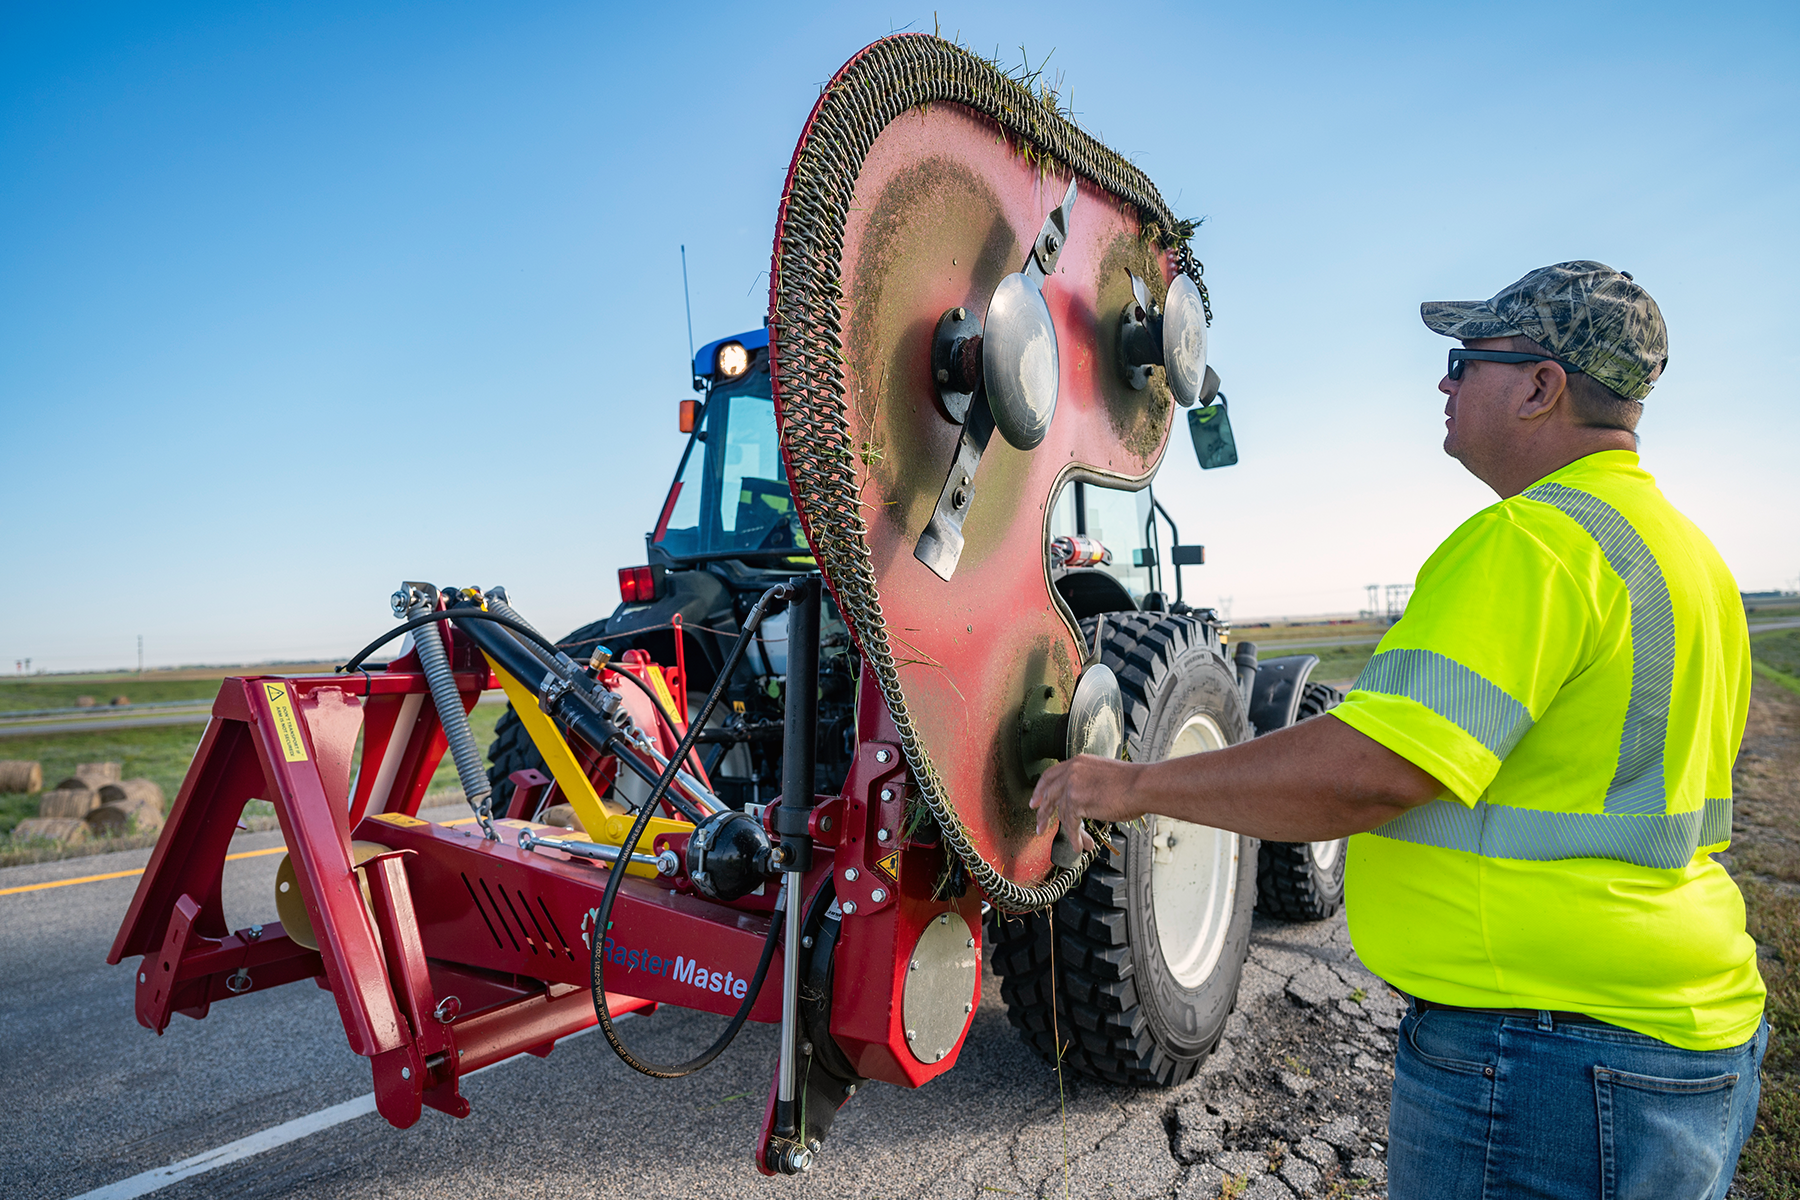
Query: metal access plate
(945,207)
(940,988)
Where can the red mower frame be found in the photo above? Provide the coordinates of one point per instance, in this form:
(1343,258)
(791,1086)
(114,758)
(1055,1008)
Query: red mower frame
(447,952)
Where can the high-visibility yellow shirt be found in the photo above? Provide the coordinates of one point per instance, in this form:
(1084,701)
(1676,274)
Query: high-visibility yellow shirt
(1574,667)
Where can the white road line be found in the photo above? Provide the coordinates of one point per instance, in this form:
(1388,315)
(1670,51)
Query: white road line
(276,1135)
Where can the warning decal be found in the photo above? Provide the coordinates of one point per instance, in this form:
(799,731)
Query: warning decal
(400,819)
(891,866)
(287,724)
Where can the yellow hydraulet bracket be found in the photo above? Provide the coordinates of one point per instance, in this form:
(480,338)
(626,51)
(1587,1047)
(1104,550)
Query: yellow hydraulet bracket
(602,821)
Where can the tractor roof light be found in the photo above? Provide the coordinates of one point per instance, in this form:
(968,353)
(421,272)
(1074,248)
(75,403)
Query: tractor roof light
(731,360)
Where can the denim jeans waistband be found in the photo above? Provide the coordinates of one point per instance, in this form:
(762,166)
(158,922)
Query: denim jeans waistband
(1560,1018)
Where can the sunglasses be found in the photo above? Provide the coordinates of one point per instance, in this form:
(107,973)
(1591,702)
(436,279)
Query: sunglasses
(1460,357)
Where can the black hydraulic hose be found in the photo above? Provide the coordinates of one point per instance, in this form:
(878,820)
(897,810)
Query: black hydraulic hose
(593,726)
(615,876)
(459,613)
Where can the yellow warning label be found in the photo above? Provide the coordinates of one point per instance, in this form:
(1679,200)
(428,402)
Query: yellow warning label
(662,690)
(400,819)
(891,865)
(287,725)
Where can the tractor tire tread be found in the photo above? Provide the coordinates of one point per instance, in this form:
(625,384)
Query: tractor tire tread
(1289,884)
(1101,1020)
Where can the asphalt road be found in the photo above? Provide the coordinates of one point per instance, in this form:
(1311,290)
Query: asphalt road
(96,724)
(97,1099)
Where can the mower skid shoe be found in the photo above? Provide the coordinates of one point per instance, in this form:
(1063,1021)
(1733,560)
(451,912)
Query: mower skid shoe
(821,1095)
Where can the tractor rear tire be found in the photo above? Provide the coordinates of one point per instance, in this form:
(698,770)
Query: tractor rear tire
(1303,881)
(1133,973)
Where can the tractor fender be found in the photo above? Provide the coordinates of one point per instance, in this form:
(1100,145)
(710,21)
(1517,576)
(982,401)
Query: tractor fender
(1089,592)
(1280,684)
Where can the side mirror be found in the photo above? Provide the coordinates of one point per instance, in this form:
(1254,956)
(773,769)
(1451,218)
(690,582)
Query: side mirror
(1210,428)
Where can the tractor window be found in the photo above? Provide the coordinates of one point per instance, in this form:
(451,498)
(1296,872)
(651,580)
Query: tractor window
(733,492)
(1116,519)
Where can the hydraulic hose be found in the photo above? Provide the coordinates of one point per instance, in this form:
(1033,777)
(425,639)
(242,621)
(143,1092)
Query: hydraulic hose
(413,600)
(603,916)
(461,614)
(563,690)
(499,602)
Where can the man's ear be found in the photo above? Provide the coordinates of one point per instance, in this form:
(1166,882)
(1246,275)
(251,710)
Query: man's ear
(1549,388)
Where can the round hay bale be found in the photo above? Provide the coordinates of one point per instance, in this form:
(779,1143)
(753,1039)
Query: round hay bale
(92,775)
(21,775)
(126,816)
(85,702)
(65,801)
(119,701)
(133,789)
(67,830)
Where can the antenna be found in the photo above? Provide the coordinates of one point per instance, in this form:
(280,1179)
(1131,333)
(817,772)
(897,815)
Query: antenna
(688,303)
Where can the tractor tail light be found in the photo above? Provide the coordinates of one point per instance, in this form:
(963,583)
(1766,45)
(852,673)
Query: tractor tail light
(640,585)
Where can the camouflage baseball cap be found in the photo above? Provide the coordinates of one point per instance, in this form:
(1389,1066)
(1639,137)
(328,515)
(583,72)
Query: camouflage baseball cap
(1583,311)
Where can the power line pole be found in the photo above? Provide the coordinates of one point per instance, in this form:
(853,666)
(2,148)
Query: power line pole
(140,654)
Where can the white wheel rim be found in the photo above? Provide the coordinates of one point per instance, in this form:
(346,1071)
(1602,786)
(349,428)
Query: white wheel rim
(1193,875)
(1325,854)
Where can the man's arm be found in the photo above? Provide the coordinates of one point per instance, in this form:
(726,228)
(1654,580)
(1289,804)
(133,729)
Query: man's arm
(1310,783)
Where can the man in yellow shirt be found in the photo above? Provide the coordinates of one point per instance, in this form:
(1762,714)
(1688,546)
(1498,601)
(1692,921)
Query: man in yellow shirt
(1536,764)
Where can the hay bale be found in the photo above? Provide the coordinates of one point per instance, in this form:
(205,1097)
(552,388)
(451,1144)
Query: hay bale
(562,815)
(92,775)
(67,830)
(85,702)
(120,816)
(133,789)
(65,801)
(120,701)
(21,776)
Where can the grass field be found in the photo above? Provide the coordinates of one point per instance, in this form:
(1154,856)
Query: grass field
(1777,657)
(160,753)
(193,683)
(1765,858)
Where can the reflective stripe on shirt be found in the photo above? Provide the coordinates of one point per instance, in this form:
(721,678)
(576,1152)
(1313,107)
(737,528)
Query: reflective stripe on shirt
(1657,840)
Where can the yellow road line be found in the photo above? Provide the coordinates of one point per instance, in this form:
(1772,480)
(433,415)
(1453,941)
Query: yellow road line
(38,887)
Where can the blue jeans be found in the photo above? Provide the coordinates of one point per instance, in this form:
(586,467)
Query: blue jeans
(1490,1107)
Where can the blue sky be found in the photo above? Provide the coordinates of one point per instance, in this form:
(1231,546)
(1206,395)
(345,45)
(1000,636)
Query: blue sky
(297,301)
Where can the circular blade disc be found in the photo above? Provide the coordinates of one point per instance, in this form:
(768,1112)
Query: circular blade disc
(906,201)
(1018,362)
(1184,341)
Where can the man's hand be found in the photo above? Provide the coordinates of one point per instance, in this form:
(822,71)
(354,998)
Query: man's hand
(1098,789)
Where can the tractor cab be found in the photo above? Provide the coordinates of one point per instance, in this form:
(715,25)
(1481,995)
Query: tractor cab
(730,500)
